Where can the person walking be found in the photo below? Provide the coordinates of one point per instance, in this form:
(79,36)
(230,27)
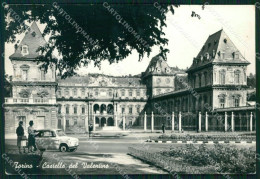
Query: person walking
(90,128)
(163,128)
(20,137)
(31,139)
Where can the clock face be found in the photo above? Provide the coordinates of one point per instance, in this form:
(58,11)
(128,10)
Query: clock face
(167,80)
(158,80)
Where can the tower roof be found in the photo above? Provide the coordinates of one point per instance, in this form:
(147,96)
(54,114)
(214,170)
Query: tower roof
(33,39)
(157,66)
(220,49)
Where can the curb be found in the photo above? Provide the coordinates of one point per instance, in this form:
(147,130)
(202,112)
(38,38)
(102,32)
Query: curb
(200,142)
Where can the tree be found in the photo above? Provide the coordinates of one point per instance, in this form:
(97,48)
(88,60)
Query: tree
(7,86)
(85,33)
(251,80)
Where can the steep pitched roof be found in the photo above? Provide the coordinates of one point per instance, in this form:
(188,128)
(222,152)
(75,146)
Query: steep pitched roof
(217,44)
(157,66)
(33,39)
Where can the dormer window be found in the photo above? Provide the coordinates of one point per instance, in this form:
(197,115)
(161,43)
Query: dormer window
(235,55)
(25,50)
(207,55)
(213,53)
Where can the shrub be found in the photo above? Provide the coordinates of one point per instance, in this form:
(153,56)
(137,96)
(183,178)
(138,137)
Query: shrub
(228,158)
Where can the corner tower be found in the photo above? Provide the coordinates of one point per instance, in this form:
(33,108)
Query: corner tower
(159,77)
(218,74)
(33,89)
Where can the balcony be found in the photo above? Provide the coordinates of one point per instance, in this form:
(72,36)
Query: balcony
(30,101)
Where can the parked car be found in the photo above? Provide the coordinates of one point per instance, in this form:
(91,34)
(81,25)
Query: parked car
(110,131)
(55,139)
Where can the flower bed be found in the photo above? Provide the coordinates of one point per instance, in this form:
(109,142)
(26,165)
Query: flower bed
(191,159)
(172,165)
(226,159)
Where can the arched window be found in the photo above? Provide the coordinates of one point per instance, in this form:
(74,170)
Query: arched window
(222,75)
(237,76)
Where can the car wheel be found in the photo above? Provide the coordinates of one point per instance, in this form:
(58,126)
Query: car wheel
(64,148)
(73,150)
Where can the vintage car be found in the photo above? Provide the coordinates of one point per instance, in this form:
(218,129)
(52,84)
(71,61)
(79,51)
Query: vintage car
(110,131)
(55,139)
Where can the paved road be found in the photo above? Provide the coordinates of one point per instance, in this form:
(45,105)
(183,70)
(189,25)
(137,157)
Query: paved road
(119,145)
(111,151)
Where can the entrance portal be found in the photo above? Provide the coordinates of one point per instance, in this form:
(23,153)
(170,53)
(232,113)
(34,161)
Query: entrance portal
(103,122)
(110,121)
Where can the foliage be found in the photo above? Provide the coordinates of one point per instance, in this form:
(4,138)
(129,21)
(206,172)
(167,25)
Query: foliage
(225,159)
(7,86)
(251,80)
(214,137)
(113,42)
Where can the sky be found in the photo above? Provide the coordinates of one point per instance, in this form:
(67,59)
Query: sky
(186,37)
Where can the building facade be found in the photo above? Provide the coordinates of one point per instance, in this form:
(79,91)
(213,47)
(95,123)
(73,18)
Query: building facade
(215,80)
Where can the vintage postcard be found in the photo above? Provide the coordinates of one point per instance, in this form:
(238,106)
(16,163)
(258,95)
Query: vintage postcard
(123,89)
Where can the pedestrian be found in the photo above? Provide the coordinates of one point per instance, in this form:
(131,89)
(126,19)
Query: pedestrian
(90,128)
(31,139)
(163,128)
(21,141)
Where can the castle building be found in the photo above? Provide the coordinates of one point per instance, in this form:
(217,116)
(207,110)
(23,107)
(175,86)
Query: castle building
(215,81)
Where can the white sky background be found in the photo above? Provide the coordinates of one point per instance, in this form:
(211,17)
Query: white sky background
(186,36)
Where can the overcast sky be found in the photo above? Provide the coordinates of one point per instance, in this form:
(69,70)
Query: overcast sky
(186,36)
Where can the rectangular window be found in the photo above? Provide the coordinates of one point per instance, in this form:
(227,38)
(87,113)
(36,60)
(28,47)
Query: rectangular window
(83,92)
(59,109)
(75,110)
(222,102)
(96,93)
(67,92)
(75,121)
(236,102)
(67,110)
(138,109)
(25,75)
(75,92)
(123,110)
(236,78)
(59,93)
(123,93)
(83,110)
(130,93)
(110,93)
(130,110)
(138,93)
(42,75)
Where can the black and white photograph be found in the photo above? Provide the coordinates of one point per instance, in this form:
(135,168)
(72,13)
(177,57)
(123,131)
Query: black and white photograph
(129,89)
